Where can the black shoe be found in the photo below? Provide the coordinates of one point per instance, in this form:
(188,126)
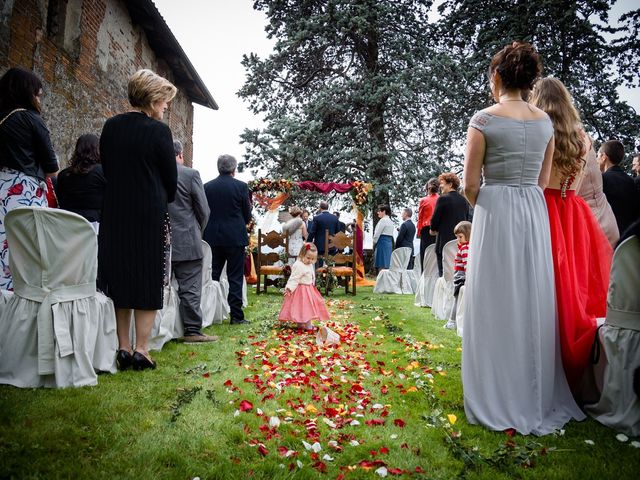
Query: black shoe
(124,360)
(242,321)
(140,362)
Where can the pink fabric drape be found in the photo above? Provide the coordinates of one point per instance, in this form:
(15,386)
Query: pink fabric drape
(325,187)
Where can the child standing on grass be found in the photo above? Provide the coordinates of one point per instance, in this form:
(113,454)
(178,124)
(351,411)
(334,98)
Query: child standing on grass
(463,233)
(302,300)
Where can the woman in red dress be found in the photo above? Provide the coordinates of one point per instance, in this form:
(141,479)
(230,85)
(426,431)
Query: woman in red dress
(581,252)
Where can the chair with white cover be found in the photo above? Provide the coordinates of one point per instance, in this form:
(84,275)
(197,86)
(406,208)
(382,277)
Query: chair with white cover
(460,312)
(213,302)
(52,329)
(417,272)
(618,406)
(224,283)
(427,282)
(396,279)
(443,298)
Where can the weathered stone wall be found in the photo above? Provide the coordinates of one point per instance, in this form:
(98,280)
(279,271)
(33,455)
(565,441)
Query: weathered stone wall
(84,51)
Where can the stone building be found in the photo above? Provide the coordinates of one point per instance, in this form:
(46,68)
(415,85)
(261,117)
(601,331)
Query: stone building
(84,51)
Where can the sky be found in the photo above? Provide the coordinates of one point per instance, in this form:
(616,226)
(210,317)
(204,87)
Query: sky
(215,34)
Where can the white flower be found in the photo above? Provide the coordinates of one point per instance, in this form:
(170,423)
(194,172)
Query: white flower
(621,437)
(382,471)
(635,444)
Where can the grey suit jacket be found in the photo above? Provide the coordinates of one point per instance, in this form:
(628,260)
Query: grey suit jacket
(189,214)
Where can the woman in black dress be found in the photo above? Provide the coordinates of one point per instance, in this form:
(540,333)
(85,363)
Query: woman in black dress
(136,149)
(81,186)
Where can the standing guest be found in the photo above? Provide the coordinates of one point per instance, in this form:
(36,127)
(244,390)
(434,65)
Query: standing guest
(305,219)
(425,212)
(635,167)
(619,187)
(581,252)
(590,189)
(451,209)
(303,303)
(26,155)
(383,238)
(297,232)
(463,234)
(80,187)
(343,226)
(512,373)
(189,214)
(322,222)
(134,242)
(226,231)
(407,233)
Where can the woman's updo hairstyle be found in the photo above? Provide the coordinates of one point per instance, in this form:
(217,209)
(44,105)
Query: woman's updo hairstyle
(519,66)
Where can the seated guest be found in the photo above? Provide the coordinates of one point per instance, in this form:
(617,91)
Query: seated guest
(407,233)
(618,187)
(81,185)
(343,226)
(451,208)
(383,238)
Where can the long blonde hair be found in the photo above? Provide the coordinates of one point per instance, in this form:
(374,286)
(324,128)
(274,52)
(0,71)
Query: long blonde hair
(550,95)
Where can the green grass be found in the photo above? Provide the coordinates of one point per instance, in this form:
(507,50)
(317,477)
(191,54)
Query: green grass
(179,421)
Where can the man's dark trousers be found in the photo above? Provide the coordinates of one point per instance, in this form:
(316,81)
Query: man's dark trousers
(234,257)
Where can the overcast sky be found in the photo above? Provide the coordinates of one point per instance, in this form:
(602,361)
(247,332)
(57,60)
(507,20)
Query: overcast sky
(215,34)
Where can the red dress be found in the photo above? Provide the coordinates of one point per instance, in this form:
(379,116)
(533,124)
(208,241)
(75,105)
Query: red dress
(581,262)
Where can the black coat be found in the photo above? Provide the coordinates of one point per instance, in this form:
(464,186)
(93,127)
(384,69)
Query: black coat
(322,222)
(622,195)
(82,193)
(140,167)
(230,206)
(451,208)
(406,234)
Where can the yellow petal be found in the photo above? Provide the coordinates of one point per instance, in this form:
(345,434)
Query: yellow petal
(452,418)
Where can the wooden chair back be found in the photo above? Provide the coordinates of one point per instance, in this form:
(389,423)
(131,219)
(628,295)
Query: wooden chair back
(265,262)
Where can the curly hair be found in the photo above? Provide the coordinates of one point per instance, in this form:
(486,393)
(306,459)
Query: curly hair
(518,64)
(86,154)
(550,95)
(451,178)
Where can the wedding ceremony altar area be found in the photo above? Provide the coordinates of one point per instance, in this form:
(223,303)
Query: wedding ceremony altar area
(268,402)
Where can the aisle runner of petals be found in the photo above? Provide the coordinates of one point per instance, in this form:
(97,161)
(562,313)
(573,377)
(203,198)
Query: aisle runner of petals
(344,393)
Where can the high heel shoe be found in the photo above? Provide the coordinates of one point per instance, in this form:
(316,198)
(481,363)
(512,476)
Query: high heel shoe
(124,360)
(140,362)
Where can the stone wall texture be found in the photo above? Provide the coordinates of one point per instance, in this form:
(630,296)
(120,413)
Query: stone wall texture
(84,51)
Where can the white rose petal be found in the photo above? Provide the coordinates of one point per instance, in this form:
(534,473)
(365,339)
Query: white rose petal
(635,444)
(299,463)
(327,458)
(316,447)
(281,465)
(236,413)
(354,423)
(394,436)
(354,443)
(329,422)
(274,422)
(589,442)
(259,412)
(382,471)
(307,446)
(377,406)
(332,443)
(621,437)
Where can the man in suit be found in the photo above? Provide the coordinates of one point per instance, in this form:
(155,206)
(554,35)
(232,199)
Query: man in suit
(407,233)
(226,231)
(321,222)
(189,214)
(617,186)
(451,208)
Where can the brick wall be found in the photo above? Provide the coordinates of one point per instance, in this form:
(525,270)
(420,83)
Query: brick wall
(84,51)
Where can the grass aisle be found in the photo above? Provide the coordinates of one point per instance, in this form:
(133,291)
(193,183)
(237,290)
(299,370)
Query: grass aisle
(267,402)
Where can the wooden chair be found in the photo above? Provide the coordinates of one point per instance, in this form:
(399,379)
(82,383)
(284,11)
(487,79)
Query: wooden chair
(265,261)
(344,266)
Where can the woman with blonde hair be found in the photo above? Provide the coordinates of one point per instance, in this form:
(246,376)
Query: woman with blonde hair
(136,149)
(581,252)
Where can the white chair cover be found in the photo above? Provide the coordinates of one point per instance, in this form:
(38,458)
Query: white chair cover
(224,283)
(619,406)
(417,272)
(213,302)
(52,329)
(460,312)
(396,279)
(427,282)
(443,293)
(167,324)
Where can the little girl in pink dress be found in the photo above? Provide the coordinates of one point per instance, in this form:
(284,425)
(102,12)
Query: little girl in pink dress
(302,300)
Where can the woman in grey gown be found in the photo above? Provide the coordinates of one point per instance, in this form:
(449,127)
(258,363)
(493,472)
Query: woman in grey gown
(511,366)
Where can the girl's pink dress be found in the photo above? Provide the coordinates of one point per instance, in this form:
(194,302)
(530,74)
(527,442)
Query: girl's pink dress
(305,303)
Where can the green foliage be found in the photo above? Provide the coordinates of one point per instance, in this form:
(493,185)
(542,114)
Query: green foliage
(577,43)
